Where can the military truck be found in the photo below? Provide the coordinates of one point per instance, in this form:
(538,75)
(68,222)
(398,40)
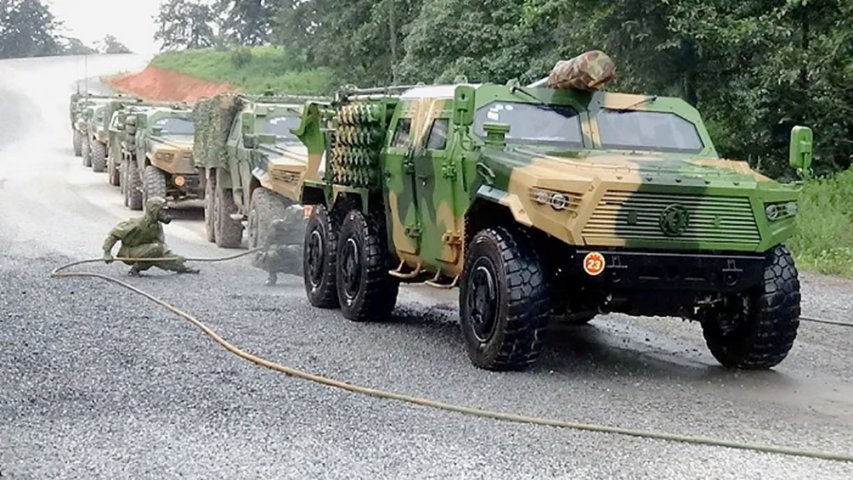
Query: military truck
(157,156)
(97,136)
(82,112)
(543,202)
(117,139)
(253,165)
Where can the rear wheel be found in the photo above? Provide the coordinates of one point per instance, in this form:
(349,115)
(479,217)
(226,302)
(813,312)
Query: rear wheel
(209,198)
(99,157)
(86,152)
(227,231)
(757,330)
(78,143)
(319,259)
(365,289)
(503,300)
(133,186)
(154,184)
(114,173)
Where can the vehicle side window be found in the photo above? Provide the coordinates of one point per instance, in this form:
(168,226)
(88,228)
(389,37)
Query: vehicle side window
(438,134)
(403,134)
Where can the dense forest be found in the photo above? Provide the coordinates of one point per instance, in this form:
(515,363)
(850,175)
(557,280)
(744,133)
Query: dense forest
(754,68)
(29,29)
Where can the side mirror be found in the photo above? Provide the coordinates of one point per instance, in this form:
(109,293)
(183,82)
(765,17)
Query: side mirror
(463,106)
(157,130)
(801,150)
(496,134)
(250,140)
(248,121)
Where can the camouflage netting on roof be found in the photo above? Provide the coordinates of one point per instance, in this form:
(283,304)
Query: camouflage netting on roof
(588,71)
(213,119)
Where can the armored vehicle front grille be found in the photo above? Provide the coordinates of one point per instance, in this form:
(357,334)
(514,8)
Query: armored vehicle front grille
(627,216)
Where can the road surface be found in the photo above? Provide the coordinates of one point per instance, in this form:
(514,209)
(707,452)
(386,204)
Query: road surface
(96,383)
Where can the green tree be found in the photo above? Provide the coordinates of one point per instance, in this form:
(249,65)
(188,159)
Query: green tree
(185,24)
(27,29)
(111,45)
(75,46)
(246,22)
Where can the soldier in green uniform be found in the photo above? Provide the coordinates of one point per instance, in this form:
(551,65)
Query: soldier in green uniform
(143,237)
(282,248)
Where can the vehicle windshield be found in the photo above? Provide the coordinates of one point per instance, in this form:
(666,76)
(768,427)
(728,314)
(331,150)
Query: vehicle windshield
(175,126)
(654,131)
(281,127)
(532,124)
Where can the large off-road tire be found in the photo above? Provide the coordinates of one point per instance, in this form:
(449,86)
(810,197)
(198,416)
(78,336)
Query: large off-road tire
(86,152)
(99,157)
(209,198)
(153,184)
(77,142)
(319,259)
(365,289)
(114,173)
(133,186)
(266,207)
(227,231)
(503,300)
(124,180)
(765,320)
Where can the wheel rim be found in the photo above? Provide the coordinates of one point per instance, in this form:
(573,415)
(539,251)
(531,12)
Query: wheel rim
(482,299)
(351,268)
(315,258)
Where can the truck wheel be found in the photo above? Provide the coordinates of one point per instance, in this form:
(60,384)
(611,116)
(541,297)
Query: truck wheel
(266,207)
(319,254)
(99,157)
(227,231)
(765,324)
(78,143)
(86,153)
(114,173)
(209,198)
(365,289)
(123,184)
(154,184)
(503,300)
(133,186)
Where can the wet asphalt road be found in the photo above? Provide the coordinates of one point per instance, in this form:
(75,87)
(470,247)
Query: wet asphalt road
(95,383)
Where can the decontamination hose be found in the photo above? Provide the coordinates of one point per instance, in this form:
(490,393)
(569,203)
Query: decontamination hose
(61,272)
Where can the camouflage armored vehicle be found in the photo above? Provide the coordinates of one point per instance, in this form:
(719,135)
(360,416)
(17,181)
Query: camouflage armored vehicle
(117,140)
(82,112)
(543,203)
(157,156)
(253,165)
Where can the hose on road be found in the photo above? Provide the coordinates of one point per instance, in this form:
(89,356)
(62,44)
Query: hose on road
(62,272)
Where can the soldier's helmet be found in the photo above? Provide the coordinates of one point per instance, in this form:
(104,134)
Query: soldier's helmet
(155,205)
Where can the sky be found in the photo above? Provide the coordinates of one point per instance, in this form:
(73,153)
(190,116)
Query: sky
(130,21)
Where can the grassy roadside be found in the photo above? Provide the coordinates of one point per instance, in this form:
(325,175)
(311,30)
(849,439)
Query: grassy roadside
(252,70)
(824,239)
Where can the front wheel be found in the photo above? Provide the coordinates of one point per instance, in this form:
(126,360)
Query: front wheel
(78,143)
(757,329)
(365,289)
(154,184)
(114,172)
(228,232)
(99,157)
(133,186)
(86,152)
(319,259)
(503,300)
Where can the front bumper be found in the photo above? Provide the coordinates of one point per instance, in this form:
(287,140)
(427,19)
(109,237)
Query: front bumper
(678,272)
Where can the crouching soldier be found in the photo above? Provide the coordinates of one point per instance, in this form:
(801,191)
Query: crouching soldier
(281,250)
(143,238)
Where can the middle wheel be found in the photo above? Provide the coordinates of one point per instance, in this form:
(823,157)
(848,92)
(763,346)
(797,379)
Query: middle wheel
(365,289)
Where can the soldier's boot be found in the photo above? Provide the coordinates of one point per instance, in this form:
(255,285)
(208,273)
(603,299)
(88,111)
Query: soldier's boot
(134,271)
(272,280)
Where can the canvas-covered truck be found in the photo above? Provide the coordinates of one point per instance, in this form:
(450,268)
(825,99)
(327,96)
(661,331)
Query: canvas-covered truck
(253,165)
(157,156)
(549,201)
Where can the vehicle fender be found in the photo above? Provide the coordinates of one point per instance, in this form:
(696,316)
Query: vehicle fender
(508,200)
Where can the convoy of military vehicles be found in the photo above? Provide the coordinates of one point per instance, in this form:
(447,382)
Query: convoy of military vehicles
(552,202)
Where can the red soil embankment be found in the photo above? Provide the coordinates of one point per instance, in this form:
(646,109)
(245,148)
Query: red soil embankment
(157,84)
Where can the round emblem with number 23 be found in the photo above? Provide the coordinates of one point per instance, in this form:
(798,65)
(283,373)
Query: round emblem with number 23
(594,263)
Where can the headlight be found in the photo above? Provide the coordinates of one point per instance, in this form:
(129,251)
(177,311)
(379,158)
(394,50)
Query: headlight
(778,211)
(557,200)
